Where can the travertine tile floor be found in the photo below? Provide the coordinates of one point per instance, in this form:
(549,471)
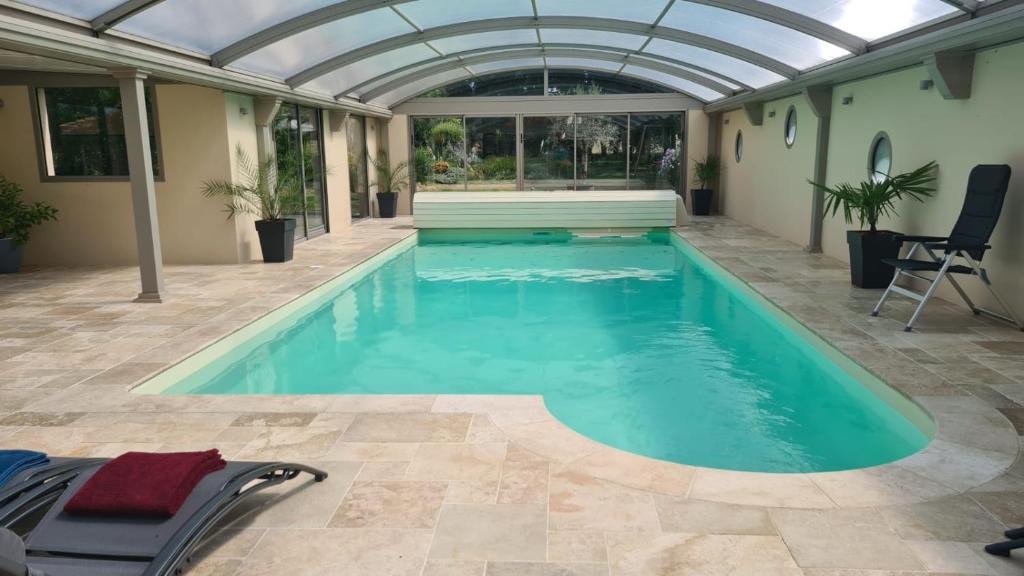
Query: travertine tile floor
(453,486)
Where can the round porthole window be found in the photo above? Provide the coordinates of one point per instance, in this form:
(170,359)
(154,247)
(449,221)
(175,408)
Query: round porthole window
(880,157)
(790,128)
(739,146)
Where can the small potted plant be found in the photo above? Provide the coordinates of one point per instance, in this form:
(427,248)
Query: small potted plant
(706,173)
(267,194)
(869,201)
(390,181)
(17,218)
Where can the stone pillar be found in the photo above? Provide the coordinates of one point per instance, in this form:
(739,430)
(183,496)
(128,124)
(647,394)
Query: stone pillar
(140,170)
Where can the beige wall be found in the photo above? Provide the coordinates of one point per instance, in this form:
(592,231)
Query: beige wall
(398,151)
(96,226)
(241,133)
(768,189)
(696,144)
(339,205)
(765,190)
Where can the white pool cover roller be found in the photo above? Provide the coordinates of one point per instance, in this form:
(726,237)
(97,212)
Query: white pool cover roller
(552,209)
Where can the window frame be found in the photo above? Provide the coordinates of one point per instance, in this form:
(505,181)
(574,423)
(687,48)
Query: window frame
(873,149)
(790,114)
(37,99)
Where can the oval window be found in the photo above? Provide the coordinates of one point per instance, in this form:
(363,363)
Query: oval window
(880,158)
(790,127)
(739,146)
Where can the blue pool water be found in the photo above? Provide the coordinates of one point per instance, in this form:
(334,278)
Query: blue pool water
(634,342)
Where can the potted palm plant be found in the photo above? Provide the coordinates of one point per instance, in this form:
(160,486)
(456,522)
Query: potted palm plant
(267,194)
(389,184)
(706,173)
(17,218)
(867,202)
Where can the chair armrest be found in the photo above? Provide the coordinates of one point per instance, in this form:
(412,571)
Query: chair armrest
(902,239)
(948,247)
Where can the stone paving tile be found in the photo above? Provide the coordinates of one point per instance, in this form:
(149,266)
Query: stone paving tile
(332,551)
(699,555)
(492,532)
(408,428)
(389,504)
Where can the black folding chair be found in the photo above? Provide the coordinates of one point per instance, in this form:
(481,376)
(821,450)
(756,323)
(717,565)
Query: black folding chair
(1016,540)
(64,545)
(986,190)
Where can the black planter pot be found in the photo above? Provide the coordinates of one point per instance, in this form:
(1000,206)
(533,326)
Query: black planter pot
(866,253)
(10,256)
(701,203)
(277,239)
(386,202)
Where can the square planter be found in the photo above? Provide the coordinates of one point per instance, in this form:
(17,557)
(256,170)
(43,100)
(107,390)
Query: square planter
(866,253)
(700,204)
(10,256)
(386,204)
(277,239)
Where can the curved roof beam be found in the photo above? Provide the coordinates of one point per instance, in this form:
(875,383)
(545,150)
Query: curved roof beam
(296,25)
(547,45)
(392,104)
(968,6)
(578,22)
(795,20)
(122,11)
(596,55)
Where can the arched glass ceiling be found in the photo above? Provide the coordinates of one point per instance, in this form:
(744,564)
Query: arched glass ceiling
(335,46)
(413,89)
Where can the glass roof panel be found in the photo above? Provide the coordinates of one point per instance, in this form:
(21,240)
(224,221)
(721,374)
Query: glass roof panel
(681,84)
(83,9)
(484,39)
(592,37)
(870,19)
(349,76)
(741,70)
(783,44)
(286,57)
(646,11)
(204,26)
(434,13)
(583,63)
(486,67)
(420,86)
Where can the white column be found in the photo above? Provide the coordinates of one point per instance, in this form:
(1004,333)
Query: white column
(140,169)
(266,108)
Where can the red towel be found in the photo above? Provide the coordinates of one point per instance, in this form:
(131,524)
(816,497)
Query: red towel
(143,484)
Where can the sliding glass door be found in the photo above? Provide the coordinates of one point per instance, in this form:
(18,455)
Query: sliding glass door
(299,155)
(439,153)
(601,152)
(548,144)
(655,151)
(491,153)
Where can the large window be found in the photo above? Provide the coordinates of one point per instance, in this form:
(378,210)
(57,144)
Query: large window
(83,132)
(555,152)
(358,180)
(299,151)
